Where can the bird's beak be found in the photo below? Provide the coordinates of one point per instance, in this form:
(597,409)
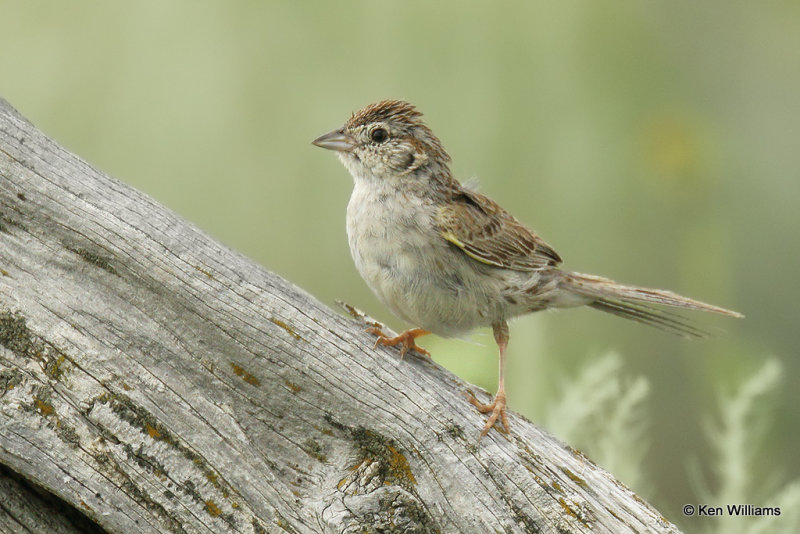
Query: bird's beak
(335,140)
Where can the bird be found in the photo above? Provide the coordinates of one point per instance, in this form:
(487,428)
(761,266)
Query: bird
(447,259)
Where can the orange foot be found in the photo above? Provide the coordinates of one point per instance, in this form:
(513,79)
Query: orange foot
(497,408)
(406,338)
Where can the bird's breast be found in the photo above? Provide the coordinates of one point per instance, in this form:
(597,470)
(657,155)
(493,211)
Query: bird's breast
(398,251)
(389,233)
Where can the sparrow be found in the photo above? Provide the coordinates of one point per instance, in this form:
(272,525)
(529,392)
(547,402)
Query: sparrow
(448,259)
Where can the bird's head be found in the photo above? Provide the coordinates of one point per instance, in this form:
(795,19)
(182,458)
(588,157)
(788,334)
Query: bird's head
(387,140)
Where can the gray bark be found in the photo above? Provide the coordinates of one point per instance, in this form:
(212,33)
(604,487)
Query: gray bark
(152,380)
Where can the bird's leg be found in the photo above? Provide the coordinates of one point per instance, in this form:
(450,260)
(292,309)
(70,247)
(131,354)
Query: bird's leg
(498,407)
(406,339)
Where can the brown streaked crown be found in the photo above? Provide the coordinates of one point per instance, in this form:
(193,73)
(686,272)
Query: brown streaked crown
(404,115)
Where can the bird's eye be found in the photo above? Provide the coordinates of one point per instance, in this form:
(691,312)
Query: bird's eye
(379,135)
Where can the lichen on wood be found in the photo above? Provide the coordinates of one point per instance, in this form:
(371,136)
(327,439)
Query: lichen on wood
(152,380)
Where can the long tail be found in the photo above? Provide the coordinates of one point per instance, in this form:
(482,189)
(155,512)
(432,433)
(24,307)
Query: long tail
(636,303)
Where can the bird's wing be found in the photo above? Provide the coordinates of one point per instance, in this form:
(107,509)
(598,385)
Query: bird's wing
(487,233)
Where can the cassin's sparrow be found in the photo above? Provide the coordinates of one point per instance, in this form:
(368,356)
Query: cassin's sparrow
(448,259)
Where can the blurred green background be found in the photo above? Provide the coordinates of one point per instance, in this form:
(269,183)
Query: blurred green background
(656,143)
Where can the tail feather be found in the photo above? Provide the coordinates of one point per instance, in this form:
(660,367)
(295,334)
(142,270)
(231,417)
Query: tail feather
(658,318)
(635,303)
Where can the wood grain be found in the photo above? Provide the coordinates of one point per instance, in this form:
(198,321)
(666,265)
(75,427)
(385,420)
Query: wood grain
(153,380)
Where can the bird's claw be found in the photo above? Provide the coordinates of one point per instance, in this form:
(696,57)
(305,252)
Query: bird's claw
(497,408)
(406,339)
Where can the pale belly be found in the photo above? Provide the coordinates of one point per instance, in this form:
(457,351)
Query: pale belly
(421,277)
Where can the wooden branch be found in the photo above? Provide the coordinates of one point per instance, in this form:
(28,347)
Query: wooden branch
(155,381)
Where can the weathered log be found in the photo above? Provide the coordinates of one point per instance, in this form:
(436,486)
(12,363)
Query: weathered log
(152,380)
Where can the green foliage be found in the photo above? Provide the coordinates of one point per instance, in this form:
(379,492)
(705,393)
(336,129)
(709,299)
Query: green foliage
(737,440)
(603,413)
